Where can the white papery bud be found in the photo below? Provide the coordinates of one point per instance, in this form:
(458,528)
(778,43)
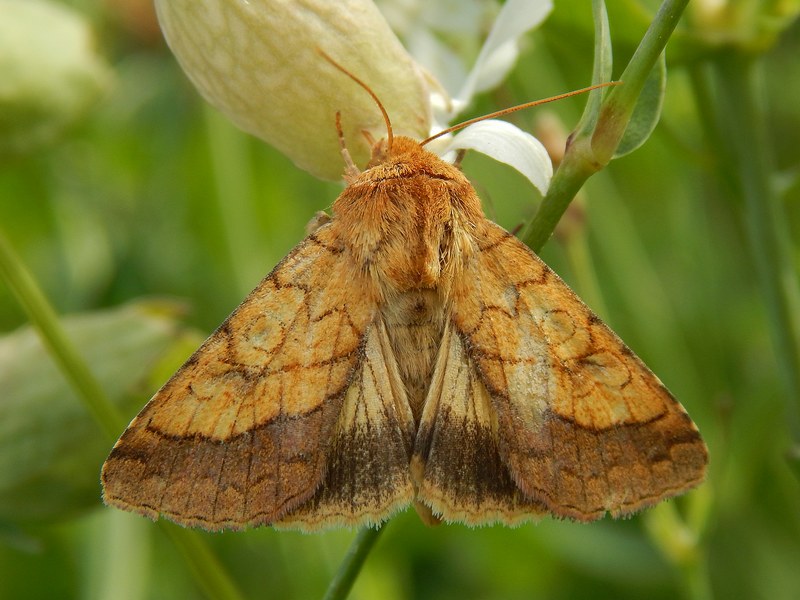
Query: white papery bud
(258,62)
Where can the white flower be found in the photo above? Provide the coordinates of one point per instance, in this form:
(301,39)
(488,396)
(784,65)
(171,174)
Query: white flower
(499,139)
(508,144)
(258,62)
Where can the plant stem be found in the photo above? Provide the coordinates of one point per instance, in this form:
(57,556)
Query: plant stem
(742,124)
(697,580)
(210,574)
(66,356)
(680,545)
(233,179)
(587,155)
(204,565)
(621,100)
(340,586)
(567,180)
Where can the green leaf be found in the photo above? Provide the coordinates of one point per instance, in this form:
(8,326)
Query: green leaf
(50,447)
(601,68)
(647,111)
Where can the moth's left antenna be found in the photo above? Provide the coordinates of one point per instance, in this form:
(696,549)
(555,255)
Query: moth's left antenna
(389,134)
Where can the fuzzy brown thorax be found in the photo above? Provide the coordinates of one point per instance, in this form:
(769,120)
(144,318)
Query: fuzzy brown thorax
(406,218)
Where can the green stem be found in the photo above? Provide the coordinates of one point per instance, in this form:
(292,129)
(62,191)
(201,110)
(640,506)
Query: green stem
(697,579)
(233,176)
(589,153)
(209,572)
(204,565)
(681,546)
(621,100)
(742,123)
(340,586)
(580,257)
(44,318)
(567,180)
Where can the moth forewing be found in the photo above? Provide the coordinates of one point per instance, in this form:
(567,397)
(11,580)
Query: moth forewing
(584,426)
(241,434)
(367,477)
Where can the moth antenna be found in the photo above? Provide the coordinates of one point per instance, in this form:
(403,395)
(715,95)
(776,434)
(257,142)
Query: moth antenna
(368,136)
(389,134)
(350,169)
(513,109)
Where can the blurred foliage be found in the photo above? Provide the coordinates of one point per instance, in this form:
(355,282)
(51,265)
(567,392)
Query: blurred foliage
(50,74)
(47,438)
(153,193)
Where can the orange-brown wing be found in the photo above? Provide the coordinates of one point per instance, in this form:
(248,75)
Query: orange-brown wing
(366,477)
(246,432)
(457,464)
(580,425)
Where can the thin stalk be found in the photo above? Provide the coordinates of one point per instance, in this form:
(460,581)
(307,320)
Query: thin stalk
(233,180)
(573,172)
(743,124)
(67,358)
(343,581)
(587,155)
(203,563)
(121,561)
(621,100)
(580,257)
(210,574)
(681,546)
(697,580)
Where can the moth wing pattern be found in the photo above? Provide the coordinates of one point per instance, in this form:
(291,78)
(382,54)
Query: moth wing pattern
(457,461)
(557,404)
(245,433)
(366,477)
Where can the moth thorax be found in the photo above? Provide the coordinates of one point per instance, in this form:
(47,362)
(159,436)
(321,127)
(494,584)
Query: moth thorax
(418,259)
(429,265)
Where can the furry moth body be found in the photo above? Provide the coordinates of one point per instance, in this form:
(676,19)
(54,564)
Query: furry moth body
(408,351)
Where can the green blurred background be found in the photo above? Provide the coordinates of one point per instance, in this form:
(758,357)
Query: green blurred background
(150,197)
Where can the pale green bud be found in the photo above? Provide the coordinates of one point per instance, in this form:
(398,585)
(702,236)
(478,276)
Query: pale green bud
(50,74)
(258,62)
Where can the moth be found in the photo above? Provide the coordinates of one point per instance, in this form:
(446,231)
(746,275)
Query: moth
(408,351)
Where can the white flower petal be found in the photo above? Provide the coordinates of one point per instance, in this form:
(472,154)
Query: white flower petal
(461,17)
(435,56)
(496,66)
(256,61)
(510,145)
(499,52)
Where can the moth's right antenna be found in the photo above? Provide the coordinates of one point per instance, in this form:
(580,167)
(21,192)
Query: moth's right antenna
(512,109)
(389,134)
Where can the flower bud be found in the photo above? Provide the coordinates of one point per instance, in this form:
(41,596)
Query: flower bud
(258,61)
(50,74)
